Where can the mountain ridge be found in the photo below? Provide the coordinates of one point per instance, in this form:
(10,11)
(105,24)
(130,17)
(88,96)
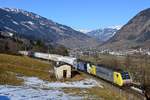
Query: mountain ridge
(36,27)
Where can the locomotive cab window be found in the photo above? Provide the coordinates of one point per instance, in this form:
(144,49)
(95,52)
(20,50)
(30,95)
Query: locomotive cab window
(125,75)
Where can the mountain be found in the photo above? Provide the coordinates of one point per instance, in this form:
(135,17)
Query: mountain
(135,34)
(103,34)
(35,27)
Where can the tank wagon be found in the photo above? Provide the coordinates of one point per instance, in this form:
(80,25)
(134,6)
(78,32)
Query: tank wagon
(118,77)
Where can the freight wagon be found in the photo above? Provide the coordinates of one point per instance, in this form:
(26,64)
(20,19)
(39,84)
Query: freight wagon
(82,66)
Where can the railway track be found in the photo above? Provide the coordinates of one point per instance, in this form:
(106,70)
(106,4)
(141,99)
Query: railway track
(135,93)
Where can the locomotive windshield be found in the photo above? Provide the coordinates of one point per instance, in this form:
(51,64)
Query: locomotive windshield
(125,75)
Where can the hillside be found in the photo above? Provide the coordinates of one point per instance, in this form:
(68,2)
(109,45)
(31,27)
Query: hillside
(35,27)
(135,34)
(30,79)
(12,67)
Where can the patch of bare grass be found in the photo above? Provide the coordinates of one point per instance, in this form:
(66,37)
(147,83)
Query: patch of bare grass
(23,66)
(26,66)
(9,78)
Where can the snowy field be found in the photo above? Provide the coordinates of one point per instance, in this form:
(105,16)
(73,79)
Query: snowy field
(36,89)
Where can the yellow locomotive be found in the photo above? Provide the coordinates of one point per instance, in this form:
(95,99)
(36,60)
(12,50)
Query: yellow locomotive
(118,77)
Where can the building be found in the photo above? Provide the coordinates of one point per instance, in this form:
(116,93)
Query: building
(62,70)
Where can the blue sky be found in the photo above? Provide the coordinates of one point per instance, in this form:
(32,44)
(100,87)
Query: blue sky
(82,14)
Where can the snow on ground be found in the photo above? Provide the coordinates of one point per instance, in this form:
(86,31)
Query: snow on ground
(28,93)
(36,89)
(87,83)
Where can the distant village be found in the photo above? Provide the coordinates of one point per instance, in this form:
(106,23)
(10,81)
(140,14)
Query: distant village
(93,52)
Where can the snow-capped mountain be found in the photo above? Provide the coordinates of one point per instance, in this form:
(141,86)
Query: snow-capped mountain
(35,27)
(83,30)
(104,34)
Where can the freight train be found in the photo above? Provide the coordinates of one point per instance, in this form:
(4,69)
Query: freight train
(115,76)
(118,77)
(53,57)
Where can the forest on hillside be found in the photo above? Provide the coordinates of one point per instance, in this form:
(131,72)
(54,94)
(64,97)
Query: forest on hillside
(11,45)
